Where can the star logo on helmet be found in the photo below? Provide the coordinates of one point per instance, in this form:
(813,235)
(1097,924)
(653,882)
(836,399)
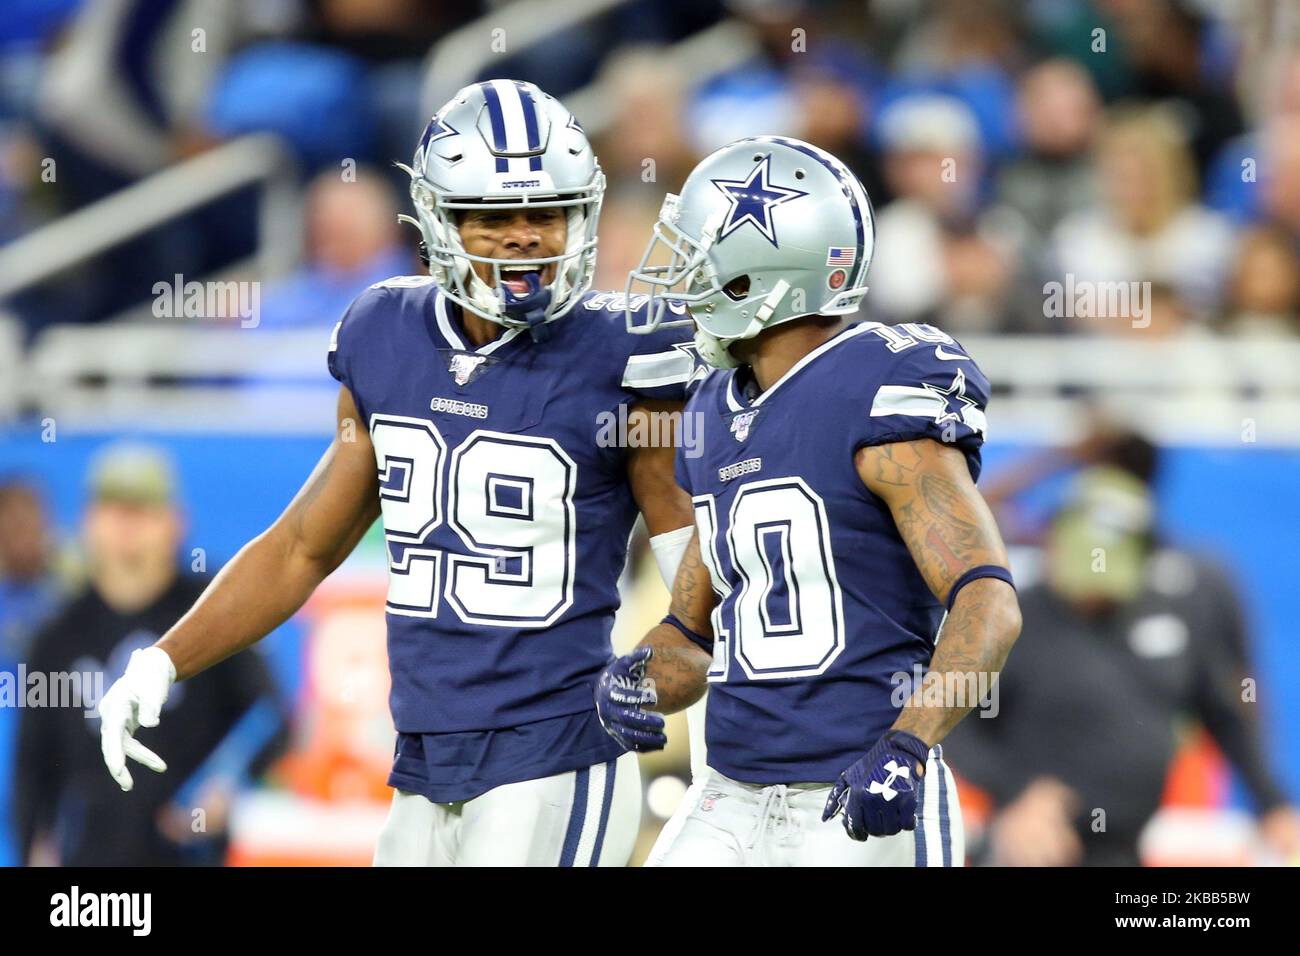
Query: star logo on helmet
(437,129)
(753,199)
(953,400)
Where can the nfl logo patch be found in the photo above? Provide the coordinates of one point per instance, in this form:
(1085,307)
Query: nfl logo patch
(463,366)
(742,422)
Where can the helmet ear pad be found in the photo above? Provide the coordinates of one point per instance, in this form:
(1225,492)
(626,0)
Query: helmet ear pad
(737,290)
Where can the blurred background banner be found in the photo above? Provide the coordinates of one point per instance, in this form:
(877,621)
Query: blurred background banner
(1099,198)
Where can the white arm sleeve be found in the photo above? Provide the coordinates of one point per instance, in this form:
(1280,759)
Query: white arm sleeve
(669,548)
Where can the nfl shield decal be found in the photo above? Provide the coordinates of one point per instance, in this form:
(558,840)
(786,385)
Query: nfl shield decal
(742,422)
(466,366)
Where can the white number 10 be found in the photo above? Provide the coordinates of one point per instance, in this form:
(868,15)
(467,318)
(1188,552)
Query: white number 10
(788,614)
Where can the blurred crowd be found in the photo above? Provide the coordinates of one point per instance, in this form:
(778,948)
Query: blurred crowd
(1006,145)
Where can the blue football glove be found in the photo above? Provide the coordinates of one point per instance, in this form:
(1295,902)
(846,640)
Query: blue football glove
(621,695)
(878,793)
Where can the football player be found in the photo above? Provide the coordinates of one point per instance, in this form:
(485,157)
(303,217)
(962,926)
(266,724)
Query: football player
(469,417)
(836,521)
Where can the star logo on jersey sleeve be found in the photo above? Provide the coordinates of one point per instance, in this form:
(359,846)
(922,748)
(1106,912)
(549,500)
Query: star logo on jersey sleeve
(753,199)
(953,401)
(699,370)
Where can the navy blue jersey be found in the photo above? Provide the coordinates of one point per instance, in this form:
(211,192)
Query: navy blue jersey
(821,603)
(507,516)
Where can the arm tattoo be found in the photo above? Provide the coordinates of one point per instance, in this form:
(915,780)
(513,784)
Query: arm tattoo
(678,668)
(948,529)
(693,596)
(939,515)
(972,649)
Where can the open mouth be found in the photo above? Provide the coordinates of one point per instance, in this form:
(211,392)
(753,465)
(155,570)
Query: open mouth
(517,278)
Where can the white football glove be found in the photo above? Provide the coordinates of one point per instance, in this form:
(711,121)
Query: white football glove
(135,700)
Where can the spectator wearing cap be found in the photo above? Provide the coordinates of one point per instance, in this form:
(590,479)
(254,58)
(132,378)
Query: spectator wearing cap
(67,810)
(1124,642)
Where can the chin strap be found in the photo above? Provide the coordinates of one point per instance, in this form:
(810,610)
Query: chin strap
(530,308)
(713,350)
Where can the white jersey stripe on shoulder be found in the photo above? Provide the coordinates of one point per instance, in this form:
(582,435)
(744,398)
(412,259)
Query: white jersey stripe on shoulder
(918,402)
(658,368)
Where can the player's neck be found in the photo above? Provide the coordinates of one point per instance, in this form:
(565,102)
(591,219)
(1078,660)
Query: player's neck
(775,351)
(478,330)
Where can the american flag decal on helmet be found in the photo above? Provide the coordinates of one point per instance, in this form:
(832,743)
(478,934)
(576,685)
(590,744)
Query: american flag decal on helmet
(841,255)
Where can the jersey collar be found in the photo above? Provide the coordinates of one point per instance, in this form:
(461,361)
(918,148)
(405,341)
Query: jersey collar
(450,330)
(735,398)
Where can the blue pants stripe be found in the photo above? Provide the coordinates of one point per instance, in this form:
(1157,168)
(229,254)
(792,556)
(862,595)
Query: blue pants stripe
(610,769)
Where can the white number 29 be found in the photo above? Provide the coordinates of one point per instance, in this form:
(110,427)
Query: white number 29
(509,498)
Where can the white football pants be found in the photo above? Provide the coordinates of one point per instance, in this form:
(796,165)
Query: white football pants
(587,817)
(722,822)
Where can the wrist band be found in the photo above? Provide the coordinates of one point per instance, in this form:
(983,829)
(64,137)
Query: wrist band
(974,574)
(706,643)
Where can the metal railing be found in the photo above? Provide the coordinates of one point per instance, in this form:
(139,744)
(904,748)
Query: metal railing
(181,376)
(126,214)
(1218,392)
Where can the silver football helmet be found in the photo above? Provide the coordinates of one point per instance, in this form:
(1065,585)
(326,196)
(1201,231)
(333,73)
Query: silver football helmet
(508,144)
(765,230)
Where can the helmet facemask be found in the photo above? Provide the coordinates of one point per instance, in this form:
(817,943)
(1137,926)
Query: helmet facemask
(450,264)
(692,282)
